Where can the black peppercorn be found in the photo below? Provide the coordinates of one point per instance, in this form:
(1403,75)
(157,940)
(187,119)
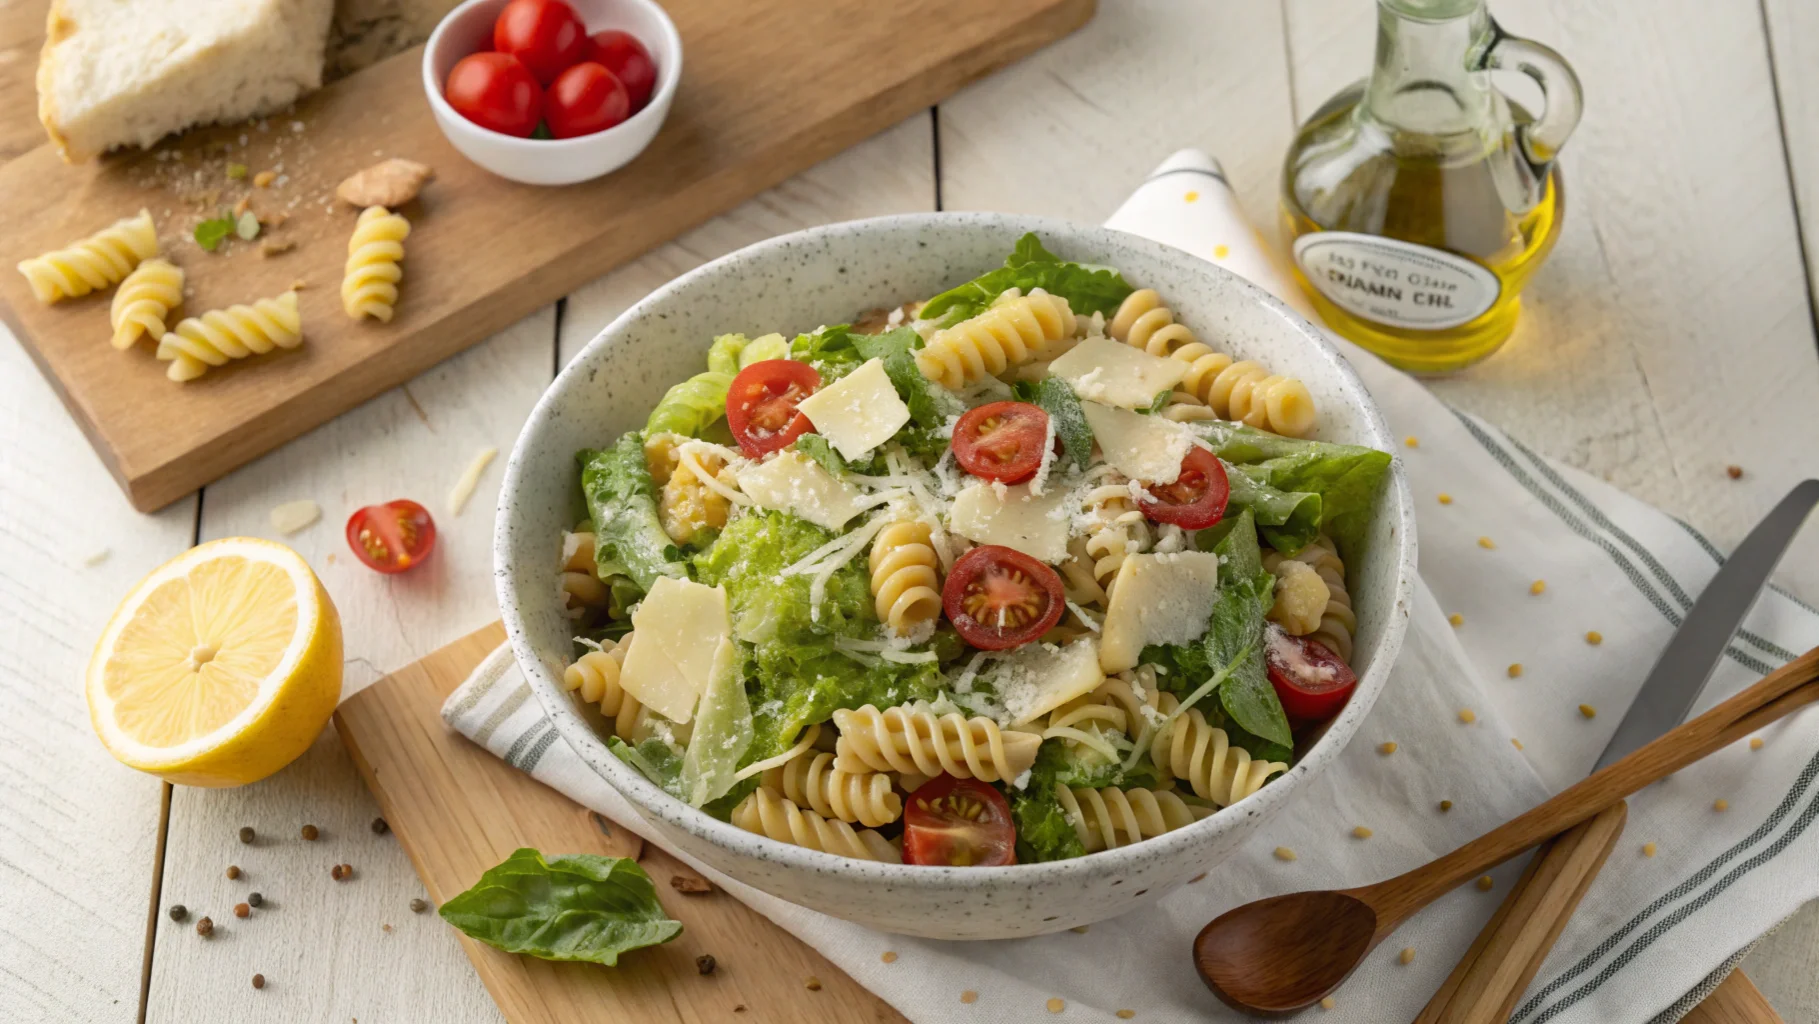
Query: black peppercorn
(380,827)
(705,963)
(179,911)
(255,899)
(418,906)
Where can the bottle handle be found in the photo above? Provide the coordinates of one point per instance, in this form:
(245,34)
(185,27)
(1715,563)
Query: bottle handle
(1562,99)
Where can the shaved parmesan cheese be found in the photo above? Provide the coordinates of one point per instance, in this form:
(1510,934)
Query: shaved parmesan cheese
(676,631)
(798,485)
(470,478)
(1102,370)
(292,516)
(1147,448)
(1012,517)
(858,412)
(96,557)
(1038,678)
(1157,599)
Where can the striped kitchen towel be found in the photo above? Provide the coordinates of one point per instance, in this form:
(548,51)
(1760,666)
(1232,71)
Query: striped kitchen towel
(1656,931)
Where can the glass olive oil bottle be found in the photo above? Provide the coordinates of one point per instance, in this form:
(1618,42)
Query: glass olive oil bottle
(1421,200)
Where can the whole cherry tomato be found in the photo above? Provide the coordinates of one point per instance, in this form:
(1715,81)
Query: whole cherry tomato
(392,537)
(1312,682)
(1002,441)
(999,597)
(496,91)
(583,100)
(628,60)
(547,35)
(958,823)
(761,404)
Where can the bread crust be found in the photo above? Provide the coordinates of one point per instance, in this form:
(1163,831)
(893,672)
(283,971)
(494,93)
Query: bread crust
(58,26)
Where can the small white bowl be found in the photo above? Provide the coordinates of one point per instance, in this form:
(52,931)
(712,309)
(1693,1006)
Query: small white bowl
(469,29)
(825,275)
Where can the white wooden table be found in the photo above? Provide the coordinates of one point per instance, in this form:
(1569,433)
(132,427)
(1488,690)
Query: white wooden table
(1671,335)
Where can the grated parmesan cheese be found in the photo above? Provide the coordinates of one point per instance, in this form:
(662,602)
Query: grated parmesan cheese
(470,478)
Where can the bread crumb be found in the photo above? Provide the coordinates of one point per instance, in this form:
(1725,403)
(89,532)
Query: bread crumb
(1284,853)
(1445,805)
(1594,637)
(1484,883)
(1362,832)
(813,984)
(1412,441)
(691,883)
(1456,619)
(1201,877)
(888,957)
(276,247)
(1445,498)
(1407,956)
(1734,472)
(240,207)
(388,183)
(1537,587)
(1056,1004)
(1721,804)
(1079,929)
(1755,741)
(264,179)
(1588,711)
(299,284)
(1648,849)
(1486,543)
(969,996)
(1515,670)
(293,516)
(1387,748)
(1328,1003)
(1467,715)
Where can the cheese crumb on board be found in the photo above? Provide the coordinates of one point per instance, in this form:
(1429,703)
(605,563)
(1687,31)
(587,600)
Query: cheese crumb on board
(1103,370)
(1147,448)
(1157,599)
(858,412)
(95,558)
(676,631)
(292,516)
(1013,517)
(470,478)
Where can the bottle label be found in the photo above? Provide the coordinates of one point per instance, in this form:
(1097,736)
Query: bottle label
(1397,283)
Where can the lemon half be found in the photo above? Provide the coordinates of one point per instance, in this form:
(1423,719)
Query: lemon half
(220,667)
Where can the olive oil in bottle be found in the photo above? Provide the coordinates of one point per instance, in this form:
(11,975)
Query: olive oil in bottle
(1421,200)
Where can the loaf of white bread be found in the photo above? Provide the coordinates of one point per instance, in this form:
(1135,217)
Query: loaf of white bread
(128,72)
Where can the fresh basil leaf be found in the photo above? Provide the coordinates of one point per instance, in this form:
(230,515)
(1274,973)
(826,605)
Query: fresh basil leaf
(211,233)
(1030,266)
(1159,403)
(1235,631)
(830,350)
(572,907)
(622,502)
(929,407)
(655,759)
(1057,399)
(817,447)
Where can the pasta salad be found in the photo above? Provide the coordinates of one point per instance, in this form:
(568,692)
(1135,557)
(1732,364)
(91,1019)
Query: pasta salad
(1019,572)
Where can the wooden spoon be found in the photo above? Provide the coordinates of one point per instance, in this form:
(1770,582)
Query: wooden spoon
(1280,955)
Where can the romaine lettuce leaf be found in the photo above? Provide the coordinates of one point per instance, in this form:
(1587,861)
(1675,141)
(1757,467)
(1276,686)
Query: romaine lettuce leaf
(1290,520)
(1087,289)
(579,906)
(621,501)
(722,732)
(734,352)
(1347,478)
(690,407)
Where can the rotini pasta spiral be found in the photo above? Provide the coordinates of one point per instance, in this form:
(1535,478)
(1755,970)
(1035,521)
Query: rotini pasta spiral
(906,579)
(1108,818)
(1301,597)
(99,261)
(768,814)
(1006,335)
(1202,756)
(594,677)
(810,779)
(905,739)
(1115,528)
(369,286)
(232,333)
(1242,391)
(144,300)
(1337,621)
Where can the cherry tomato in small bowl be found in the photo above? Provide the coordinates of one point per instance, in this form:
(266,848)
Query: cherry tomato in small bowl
(496,91)
(583,100)
(628,60)
(958,823)
(1002,441)
(392,537)
(761,404)
(999,598)
(1196,499)
(547,35)
(1312,682)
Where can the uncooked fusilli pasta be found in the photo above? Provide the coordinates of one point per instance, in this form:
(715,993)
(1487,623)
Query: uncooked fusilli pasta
(232,333)
(906,580)
(904,739)
(810,779)
(1242,391)
(144,300)
(768,814)
(369,287)
(1202,756)
(99,261)
(1006,335)
(1337,622)
(1110,817)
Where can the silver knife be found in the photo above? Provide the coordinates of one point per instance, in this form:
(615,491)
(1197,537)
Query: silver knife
(1674,684)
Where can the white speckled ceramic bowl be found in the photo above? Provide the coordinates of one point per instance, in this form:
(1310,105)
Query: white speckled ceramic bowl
(827,275)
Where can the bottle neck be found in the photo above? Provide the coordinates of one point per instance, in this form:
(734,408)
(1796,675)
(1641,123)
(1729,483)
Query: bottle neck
(1426,78)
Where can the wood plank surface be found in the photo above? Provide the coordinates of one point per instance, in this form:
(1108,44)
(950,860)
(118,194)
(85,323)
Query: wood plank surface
(483,252)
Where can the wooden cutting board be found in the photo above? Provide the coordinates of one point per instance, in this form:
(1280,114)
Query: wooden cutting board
(459,810)
(768,90)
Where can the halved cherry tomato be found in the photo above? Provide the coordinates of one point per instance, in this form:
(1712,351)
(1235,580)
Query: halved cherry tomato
(496,91)
(583,100)
(628,60)
(547,35)
(999,597)
(960,823)
(761,404)
(1001,441)
(1311,681)
(391,537)
(1196,500)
